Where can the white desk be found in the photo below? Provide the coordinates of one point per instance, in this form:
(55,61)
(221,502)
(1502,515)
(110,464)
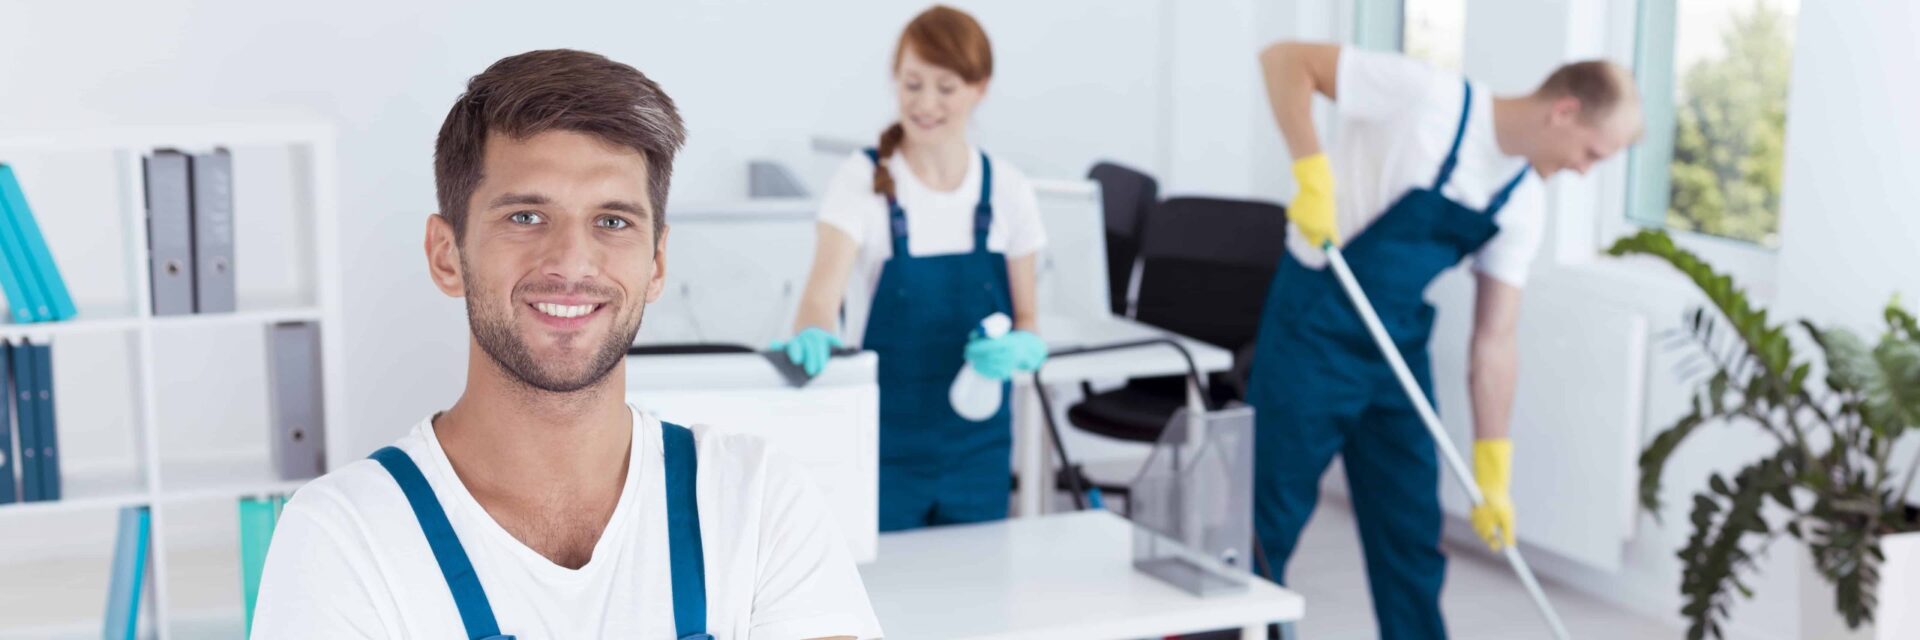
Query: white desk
(1033,459)
(1063,576)
(831,428)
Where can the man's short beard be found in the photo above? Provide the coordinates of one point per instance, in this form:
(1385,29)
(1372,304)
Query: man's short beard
(493,328)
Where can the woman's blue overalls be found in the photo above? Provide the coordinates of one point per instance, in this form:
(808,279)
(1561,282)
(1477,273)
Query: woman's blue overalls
(688,560)
(935,466)
(1321,387)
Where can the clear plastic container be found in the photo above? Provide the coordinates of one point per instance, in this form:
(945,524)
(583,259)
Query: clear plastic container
(1192,505)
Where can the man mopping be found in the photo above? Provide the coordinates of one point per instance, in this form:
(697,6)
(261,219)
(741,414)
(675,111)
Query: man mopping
(1427,169)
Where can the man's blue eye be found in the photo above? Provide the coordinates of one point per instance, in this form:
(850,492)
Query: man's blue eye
(613,223)
(525,217)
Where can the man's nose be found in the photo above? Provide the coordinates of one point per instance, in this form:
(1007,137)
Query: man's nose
(571,254)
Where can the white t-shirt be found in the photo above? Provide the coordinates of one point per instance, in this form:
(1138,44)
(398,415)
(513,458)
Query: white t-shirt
(348,558)
(938,222)
(1397,117)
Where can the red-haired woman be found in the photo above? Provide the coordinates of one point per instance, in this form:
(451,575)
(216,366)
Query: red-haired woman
(937,236)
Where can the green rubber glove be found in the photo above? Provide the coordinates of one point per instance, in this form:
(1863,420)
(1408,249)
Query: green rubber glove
(810,349)
(1312,208)
(1493,471)
(1000,358)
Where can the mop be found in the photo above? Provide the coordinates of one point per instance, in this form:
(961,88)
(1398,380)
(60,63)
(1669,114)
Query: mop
(1432,421)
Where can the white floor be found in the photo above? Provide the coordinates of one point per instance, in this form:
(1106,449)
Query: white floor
(1482,600)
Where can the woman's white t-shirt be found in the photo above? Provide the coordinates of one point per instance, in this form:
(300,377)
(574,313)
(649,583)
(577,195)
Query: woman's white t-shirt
(349,560)
(1396,120)
(938,222)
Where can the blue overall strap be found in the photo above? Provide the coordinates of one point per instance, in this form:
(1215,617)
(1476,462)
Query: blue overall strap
(983,212)
(475,611)
(689,561)
(1453,153)
(896,217)
(1500,198)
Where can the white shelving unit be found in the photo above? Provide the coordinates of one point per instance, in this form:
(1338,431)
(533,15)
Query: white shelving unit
(304,286)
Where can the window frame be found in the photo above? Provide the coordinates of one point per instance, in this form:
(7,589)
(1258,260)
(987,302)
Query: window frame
(1380,25)
(1645,185)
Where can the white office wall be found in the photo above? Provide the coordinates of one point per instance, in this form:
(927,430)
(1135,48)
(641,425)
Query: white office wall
(1849,227)
(1849,230)
(1074,82)
(1220,136)
(1215,90)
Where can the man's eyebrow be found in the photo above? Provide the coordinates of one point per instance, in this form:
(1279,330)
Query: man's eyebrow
(519,199)
(510,199)
(625,206)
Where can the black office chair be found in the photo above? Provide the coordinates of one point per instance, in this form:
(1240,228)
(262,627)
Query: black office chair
(1126,196)
(686,349)
(1206,266)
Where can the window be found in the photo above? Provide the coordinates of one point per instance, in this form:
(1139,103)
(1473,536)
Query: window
(1714,76)
(1431,30)
(1434,31)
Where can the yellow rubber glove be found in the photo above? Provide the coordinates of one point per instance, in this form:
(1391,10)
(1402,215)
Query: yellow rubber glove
(1312,208)
(1493,471)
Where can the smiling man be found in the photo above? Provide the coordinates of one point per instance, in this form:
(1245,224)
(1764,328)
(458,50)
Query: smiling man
(541,505)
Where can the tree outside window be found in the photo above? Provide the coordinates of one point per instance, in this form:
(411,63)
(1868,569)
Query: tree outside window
(1435,31)
(1732,59)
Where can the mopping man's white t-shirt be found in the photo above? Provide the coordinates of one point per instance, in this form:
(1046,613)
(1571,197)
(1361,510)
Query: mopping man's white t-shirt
(348,559)
(1396,119)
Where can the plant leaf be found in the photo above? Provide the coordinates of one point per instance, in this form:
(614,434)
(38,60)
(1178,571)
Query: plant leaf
(1716,554)
(1850,366)
(1653,459)
(1767,343)
(1900,321)
(1895,403)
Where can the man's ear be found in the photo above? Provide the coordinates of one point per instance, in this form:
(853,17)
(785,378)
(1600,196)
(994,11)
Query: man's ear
(1565,111)
(443,256)
(658,283)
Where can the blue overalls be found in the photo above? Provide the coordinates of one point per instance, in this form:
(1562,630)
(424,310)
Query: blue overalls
(935,466)
(1320,387)
(688,560)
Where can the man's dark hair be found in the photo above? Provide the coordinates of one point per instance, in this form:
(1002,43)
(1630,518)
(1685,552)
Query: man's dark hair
(1599,86)
(555,89)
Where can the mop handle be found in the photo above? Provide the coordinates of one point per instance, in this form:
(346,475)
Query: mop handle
(1432,421)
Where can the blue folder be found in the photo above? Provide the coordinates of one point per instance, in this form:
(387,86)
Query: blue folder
(21,392)
(9,457)
(257,518)
(129,572)
(22,301)
(39,258)
(43,417)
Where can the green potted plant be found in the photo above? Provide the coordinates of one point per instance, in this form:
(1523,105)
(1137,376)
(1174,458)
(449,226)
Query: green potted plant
(1830,480)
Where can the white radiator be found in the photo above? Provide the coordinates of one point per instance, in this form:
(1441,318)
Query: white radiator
(1577,414)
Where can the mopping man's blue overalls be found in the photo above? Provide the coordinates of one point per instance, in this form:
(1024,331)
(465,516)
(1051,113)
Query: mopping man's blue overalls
(688,562)
(1320,387)
(935,466)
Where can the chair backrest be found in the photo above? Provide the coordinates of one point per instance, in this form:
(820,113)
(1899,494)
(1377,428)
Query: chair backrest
(1207,263)
(687,349)
(1126,195)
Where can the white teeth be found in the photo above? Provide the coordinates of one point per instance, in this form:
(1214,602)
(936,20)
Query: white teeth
(565,311)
